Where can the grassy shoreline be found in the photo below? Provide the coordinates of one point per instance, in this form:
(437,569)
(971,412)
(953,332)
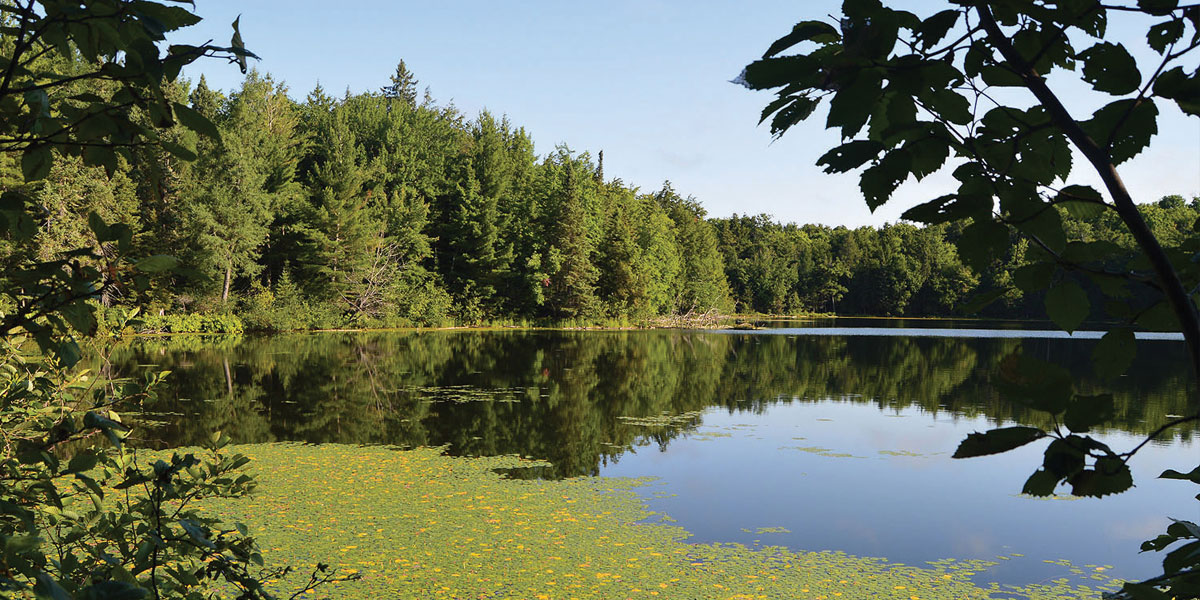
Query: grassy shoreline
(721,322)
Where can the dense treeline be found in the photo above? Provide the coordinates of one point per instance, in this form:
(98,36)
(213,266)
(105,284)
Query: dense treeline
(903,269)
(385,208)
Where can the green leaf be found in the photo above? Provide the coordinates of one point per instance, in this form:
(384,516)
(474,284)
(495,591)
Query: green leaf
(1110,68)
(1062,458)
(1184,89)
(804,31)
(68,353)
(1081,201)
(85,461)
(1192,476)
(999,76)
(977,302)
(1158,8)
(1110,476)
(945,209)
(1085,412)
(157,263)
(851,106)
(47,587)
(1114,354)
(1123,128)
(935,27)
(195,121)
(982,242)
(1046,225)
(1182,557)
(951,105)
(196,532)
(1144,591)
(236,43)
(1041,483)
(1042,385)
(81,316)
(1164,34)
(99,227)
(996,441)
(850,156)
(1034,277)
(36,163)
(178,150)
(1067,305)
(880,181)
(798,110)
(1159,317)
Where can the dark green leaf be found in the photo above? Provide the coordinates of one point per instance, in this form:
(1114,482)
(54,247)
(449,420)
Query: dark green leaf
(1081,201)
(81,316)
(36,163)
(804,31)
(880,181)
(1182,557)
(996,441)
(1192,476)
(177,150)
(1159,317)
(1110,68)
(1164,34)
(1123,127)
(798,110)
(47,587)
(84,461)
(849,156)
(1114,354)
(236,43)
(1184,89)
(851,107)
(1085,412)
(1067,305)
(1158,8)
(1042,385)
(982,242)
(1142,591)
(157,263)
(1062,458)
(1034,277)
(1041,483)
(935,28)
(195,121)
(1000,76)
(1110,476)
(977,302)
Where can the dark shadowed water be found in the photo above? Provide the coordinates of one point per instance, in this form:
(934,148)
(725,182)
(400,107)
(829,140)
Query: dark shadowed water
(798,435)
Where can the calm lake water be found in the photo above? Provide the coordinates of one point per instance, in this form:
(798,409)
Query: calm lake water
(816,435)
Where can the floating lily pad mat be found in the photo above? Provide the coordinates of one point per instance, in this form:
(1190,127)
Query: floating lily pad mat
(419,524)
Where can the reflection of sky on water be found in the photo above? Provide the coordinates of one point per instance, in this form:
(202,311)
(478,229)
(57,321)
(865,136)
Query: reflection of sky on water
(900,495)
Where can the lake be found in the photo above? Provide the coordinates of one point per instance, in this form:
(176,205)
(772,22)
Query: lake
(818,435)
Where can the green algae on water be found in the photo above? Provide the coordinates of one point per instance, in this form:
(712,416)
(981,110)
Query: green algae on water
(420,524)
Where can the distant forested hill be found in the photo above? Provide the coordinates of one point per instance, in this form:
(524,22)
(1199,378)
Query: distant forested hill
(387,209)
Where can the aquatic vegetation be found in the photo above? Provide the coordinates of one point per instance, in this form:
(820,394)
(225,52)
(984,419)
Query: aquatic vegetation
(419,524)
(663,419)
(819,451)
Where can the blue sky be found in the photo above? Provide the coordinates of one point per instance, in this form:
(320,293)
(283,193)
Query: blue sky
(645,81)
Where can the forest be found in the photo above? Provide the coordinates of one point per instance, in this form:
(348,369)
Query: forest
(386,209)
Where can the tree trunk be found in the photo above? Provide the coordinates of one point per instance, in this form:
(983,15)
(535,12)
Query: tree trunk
(228,278)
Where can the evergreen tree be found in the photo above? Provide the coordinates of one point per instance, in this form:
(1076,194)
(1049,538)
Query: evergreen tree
(343,238)
(403,86)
